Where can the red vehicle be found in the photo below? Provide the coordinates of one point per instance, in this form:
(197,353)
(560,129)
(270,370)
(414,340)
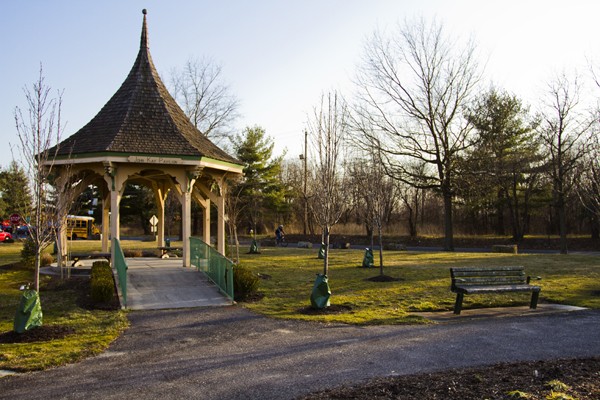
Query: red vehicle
(4,236)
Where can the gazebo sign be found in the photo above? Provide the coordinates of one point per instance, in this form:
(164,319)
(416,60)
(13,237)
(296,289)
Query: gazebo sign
(154,160)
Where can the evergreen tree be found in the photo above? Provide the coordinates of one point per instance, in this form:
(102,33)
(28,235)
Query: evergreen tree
(15,191)
(505,162)
(261,192)
(137,206)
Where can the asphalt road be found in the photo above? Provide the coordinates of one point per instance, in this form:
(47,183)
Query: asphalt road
(231,353)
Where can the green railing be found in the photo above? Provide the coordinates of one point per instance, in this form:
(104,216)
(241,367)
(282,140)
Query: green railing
(121,266)
(217,267)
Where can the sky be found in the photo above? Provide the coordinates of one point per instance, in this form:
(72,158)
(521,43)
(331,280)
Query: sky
(277,57)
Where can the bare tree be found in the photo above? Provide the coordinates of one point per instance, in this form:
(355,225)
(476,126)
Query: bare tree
(233,209)
(377,194)
(206,100)
(412,88)
(413,198)
(565,132)
(327,199)
(37,132)
(588,185)
(66,188)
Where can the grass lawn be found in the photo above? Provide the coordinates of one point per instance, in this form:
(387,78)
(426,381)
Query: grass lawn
(423,285)
(83,331)
(288,275)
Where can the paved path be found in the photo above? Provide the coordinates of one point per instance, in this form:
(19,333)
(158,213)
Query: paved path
(155,283)
(231,353)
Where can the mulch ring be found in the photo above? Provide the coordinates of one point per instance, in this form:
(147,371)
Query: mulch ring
(577,378)
(332,309)
(42,333)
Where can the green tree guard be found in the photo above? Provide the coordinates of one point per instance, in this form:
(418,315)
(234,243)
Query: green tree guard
(321,293)
(368,258)
(322,252)
(254,247)
(29,313)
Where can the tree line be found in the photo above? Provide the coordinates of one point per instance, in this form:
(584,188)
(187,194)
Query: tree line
(426,144)
(423,144)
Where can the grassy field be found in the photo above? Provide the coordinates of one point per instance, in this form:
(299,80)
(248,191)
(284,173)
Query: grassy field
(287,277)
(423,283)
(88,331)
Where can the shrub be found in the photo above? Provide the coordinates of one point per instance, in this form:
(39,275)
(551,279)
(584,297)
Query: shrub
(102,283)
(245,283)
(46,259)
(100,269)
(132,253)
(28,253)
(150,253)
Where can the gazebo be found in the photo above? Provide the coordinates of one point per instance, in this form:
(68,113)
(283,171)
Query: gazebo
(141,136)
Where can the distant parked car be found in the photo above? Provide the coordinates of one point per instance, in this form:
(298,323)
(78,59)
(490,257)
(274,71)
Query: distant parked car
(5,236)
(6,228)
(22,231)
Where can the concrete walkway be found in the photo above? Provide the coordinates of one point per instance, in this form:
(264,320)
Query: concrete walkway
(155,283)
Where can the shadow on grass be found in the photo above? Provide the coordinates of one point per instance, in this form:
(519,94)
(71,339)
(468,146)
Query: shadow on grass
(383,278)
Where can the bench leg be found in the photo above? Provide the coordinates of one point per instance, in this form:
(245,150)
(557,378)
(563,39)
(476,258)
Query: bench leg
(534,299)
(458,303)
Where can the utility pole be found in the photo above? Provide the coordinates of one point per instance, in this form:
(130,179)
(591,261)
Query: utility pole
(305,180)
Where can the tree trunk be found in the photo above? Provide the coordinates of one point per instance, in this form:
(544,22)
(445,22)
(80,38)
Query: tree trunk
(594,228)
(562,224)
(500,213)
(448,229)
(237,244)
(326,254)
(380,249)
(36,275)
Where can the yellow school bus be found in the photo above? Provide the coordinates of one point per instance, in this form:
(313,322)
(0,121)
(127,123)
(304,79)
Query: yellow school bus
(81,227)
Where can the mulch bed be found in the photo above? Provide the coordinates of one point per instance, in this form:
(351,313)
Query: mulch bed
(532,379)
(43,333)
(332,309)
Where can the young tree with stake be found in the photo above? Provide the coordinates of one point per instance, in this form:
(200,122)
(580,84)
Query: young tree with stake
(327,199)
(37,132)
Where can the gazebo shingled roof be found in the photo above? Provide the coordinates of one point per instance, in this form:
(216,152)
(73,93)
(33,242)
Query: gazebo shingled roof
(142,118)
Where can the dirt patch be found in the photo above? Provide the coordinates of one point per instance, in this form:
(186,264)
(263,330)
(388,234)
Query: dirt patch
(43,333)
(531,380)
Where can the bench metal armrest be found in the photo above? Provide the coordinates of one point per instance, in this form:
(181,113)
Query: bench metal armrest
(537,278)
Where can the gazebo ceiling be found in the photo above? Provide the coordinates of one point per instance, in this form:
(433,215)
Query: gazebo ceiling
(142,120)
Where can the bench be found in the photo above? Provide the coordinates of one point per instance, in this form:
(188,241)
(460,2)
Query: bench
(76,257)
(165,250)
(472,280)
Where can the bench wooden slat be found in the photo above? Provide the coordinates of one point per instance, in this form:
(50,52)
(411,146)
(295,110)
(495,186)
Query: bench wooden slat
(497,289)
(489,273)
(471,280)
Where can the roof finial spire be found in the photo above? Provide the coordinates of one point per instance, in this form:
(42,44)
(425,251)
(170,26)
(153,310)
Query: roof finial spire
(144,39)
